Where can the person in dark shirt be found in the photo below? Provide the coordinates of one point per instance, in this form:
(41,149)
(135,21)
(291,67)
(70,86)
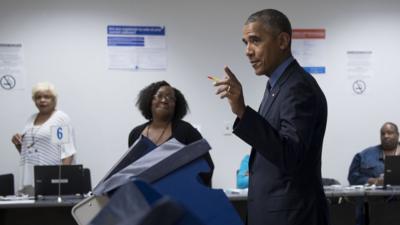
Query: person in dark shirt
(368,165)
(164,107)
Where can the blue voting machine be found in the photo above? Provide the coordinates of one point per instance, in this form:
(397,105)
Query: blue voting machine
(162,186)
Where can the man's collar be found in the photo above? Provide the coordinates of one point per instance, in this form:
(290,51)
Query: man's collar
(279,70)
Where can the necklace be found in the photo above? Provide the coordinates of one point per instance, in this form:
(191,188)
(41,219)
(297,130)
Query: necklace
(33,135)
(159,137)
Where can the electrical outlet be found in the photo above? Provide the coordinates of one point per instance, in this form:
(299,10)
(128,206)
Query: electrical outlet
(228,128)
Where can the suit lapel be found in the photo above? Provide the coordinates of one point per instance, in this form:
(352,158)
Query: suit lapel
(271,97)
(275,90)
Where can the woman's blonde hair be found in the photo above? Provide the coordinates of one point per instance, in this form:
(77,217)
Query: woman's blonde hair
(44,86)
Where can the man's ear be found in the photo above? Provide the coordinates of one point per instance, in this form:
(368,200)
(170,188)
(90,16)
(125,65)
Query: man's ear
(284,40)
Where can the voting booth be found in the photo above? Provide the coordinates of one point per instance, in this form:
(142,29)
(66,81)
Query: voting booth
(144,185)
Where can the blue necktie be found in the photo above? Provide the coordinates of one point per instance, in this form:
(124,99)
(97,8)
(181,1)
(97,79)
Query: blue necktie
(263,110)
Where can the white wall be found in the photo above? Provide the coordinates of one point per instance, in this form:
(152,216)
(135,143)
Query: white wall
(65,43)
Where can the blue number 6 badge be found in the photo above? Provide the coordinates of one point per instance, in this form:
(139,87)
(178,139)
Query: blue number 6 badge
(60,134)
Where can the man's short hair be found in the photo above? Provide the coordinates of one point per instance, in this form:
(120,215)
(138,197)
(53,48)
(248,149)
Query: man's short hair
(272,18)
(393,125)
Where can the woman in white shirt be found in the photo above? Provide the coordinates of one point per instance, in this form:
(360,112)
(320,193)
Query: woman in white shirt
(35,144)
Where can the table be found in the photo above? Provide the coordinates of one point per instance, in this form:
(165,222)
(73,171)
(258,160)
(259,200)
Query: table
(40,212)
(383,205)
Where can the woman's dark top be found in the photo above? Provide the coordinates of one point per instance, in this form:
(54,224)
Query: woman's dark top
(185,133)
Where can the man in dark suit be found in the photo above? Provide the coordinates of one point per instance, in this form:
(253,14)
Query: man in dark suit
(286,134)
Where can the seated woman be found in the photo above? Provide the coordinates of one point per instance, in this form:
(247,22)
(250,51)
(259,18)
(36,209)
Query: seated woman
(34,143)
(164,107)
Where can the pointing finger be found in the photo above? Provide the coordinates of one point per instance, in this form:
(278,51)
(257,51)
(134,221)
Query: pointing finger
(230,74)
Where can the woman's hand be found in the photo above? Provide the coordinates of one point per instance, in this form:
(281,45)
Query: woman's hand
(17,141)
(68,160)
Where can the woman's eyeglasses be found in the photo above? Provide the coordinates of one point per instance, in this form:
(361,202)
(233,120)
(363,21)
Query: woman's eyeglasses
(168,98)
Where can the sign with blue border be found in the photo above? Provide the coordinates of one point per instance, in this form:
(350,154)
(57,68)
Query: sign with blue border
(136,47)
